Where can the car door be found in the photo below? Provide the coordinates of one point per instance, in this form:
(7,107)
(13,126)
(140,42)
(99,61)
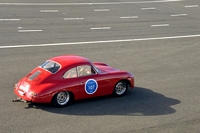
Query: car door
(92,84)
(71,82)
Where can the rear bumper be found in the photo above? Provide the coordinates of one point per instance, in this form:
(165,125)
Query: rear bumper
(22,95)
(35,99)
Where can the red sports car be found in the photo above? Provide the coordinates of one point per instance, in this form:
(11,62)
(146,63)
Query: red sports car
(69,77)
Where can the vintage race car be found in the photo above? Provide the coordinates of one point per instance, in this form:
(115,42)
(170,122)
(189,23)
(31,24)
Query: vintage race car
(62,79)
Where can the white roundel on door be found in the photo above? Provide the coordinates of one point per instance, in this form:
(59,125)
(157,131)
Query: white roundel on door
(91,86)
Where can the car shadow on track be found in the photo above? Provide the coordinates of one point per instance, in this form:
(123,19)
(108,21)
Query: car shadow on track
(137,102)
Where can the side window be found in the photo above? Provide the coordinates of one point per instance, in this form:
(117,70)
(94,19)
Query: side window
(85,70)
(71,73)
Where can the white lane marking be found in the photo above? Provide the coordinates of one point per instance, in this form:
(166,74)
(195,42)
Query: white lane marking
(20,27)
(105,3)
(149,8)
(130,17)
(29,30)
(100,28)
(176,15)
(48,10)
(192,6)
(9,19)
(97,42)
(159,25)
(73,18)
(102,10)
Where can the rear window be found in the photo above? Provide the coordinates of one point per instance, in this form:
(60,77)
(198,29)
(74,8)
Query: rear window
(50,66)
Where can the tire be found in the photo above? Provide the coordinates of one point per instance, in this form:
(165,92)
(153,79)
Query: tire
(120,88)
(61,99)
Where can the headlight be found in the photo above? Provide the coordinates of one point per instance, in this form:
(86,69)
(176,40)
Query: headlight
(131,74)
(130,77)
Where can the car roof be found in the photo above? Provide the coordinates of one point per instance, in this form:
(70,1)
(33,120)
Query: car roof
(67,60)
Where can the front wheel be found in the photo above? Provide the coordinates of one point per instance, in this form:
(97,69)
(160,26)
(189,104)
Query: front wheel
(61,99)
(120,88)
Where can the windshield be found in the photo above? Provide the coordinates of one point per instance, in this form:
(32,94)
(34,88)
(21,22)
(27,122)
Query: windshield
(50,66)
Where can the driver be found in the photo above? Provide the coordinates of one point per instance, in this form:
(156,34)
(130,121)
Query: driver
(85,70)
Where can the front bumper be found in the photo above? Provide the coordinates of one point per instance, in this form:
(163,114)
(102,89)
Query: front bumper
(132,82)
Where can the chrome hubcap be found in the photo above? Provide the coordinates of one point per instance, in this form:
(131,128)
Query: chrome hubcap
(120,88)
(63,98)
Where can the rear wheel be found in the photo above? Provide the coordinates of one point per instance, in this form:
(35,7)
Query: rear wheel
(120,88)
(61,99)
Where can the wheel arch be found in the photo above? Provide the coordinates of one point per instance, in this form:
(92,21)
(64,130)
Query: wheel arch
(124,80)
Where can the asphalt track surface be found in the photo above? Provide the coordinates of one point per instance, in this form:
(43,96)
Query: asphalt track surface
(158,41)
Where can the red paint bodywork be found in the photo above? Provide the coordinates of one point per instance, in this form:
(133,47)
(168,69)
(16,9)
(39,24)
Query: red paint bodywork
(44,86)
